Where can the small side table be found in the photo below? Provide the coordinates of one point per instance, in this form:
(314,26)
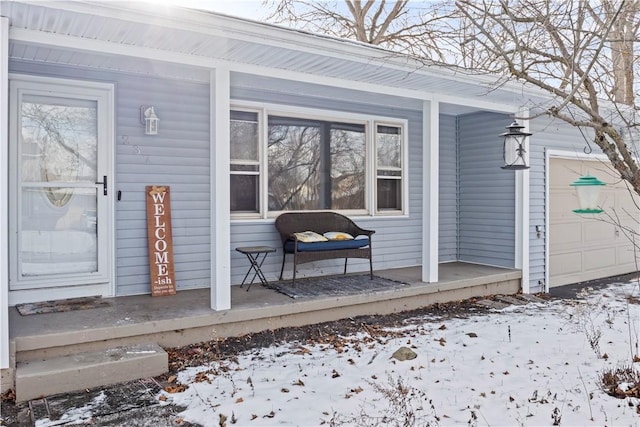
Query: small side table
(256,256)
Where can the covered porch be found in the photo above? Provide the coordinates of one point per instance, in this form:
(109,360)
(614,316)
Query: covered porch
(186,317)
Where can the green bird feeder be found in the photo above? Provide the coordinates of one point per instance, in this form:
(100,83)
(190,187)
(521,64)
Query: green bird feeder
(588,192)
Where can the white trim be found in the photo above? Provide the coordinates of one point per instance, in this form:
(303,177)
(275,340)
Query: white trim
(430,190)
(103,281)
(4,192)
(522,210)
(372,193)
(220,181)
(557,154)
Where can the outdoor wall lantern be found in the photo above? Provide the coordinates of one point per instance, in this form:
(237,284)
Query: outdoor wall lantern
(515,147)
(149,119)
(588,191)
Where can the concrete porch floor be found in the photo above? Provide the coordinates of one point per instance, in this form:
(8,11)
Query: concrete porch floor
(135,315)
(185,318)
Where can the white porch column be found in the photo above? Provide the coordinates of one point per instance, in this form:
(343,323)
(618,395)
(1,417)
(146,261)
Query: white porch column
(220,205)
(430,189)
(522,215)
(4,192)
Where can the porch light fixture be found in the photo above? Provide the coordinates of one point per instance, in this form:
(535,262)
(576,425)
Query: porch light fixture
(515,147)
(588,190)
(149,119)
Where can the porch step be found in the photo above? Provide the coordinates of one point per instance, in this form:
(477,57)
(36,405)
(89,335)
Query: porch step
(35,379)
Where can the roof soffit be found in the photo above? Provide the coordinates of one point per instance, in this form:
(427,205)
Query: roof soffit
(217,37)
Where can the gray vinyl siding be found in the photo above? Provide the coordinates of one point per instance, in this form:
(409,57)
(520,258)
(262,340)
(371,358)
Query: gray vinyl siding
(448,175)
(397,241)
(178,157)
(548,134)
(486,192)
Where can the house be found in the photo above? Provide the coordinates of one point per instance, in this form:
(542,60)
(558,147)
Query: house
(409,148)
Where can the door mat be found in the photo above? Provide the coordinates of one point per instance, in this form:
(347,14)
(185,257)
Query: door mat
(335,286)
(59,306)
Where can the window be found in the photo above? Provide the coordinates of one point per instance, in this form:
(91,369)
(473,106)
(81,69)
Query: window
(300,162)
(315,165)
(389,168)
(245,162)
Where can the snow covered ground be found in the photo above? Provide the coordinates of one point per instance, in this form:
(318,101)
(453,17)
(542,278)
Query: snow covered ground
(530,365)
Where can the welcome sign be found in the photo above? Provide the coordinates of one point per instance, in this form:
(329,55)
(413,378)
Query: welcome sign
(160,239)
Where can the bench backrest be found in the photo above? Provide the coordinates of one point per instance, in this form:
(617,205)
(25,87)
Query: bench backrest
(320,222)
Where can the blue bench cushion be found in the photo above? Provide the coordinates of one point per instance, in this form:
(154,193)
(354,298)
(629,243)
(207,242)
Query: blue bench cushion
(331,245)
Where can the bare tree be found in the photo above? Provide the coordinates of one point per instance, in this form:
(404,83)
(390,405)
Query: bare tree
(581,52)
(413,28)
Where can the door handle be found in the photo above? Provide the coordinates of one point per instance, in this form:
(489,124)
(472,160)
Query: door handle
(104,184)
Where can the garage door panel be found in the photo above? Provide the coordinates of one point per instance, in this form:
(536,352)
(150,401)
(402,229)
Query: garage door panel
(599,258)
(568,233)
(626,256)
(587,247)
(566,201)
(568,263)
(598,231)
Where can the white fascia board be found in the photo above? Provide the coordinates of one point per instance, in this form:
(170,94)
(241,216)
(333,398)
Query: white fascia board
(4,193)
(69,42)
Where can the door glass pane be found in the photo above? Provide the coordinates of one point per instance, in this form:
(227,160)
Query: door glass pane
(59,138)
(58,240)
(58,192)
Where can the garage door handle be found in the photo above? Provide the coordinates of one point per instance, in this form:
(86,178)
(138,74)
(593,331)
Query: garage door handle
(617,232)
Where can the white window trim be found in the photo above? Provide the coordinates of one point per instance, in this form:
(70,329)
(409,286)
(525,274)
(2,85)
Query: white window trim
(370,122)
(404,158)
(260,163)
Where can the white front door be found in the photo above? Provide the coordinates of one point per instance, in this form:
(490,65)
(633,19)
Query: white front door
(60,134)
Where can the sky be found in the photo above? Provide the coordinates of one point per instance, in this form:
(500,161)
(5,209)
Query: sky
(532,364)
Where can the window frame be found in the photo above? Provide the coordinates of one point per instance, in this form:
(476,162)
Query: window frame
(260,163)
(404,189)
(370,122)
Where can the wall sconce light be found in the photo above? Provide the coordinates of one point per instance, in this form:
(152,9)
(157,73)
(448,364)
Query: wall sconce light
(588,191)
(149,119)
(515,147)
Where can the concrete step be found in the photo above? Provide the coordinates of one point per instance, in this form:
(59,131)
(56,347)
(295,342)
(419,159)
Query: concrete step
(36,379)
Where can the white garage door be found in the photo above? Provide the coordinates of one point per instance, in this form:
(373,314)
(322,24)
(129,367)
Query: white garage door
(587,247)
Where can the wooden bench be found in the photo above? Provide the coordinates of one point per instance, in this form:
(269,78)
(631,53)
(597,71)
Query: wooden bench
(288,224)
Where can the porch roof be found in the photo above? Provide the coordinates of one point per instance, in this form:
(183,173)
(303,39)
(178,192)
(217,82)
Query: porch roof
(191,42)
